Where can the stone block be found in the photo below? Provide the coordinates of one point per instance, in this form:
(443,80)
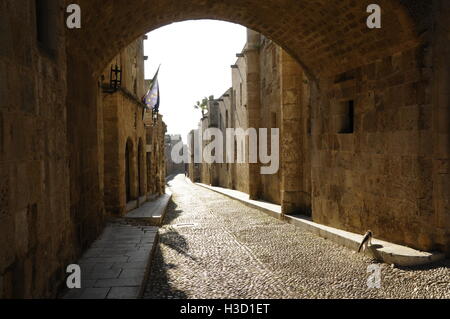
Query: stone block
(292,111)
(290,97)
(21,232)
(103,274)
(425,118)
(369,121)
(136,273)
(409,118)
(442,185)
(442,166)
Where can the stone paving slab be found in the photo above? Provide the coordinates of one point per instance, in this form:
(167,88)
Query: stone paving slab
(151,212)
(116,264)
(387,252)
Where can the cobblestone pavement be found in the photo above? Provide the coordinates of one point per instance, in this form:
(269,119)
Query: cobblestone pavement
(214,247)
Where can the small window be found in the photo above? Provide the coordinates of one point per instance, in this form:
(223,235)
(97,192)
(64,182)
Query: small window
(46,13)
(345,118)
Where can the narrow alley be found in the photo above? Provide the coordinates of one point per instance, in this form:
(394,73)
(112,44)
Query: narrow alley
(214,247)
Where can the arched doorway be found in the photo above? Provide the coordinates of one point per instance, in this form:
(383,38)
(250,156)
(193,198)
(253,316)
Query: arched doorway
(128,170)
(149,171)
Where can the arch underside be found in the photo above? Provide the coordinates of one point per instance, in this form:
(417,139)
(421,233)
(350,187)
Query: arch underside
(323,36)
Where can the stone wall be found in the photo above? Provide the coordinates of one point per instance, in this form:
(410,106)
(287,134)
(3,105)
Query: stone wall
(240,171)
(295,143)
(37,234)
(225,170)
(194,171)
(378,173)
(156,167)
(270,111)
(124,129)
(206,169)
(441,123)
(51,151)
(123,124)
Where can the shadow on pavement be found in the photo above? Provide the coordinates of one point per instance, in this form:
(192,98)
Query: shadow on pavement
(158,286)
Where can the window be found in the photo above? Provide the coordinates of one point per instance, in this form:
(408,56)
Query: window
(46,13)
(345,117)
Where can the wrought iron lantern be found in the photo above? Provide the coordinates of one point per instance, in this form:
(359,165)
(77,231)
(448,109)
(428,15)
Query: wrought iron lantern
(115,78)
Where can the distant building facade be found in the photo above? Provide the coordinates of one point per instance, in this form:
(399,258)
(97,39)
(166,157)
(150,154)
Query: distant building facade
(193,168)
(172,167)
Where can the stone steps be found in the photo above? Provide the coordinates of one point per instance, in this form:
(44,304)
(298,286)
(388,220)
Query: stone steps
(152,212)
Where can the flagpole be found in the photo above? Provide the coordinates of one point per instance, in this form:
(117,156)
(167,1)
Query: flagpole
(156,74)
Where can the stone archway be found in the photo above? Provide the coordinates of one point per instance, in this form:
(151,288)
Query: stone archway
(343,60)
(321,35)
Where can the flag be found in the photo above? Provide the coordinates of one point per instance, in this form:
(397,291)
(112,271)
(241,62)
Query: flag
(151,99)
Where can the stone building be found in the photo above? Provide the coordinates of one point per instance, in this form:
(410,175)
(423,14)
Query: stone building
(226,171)
(270,68)
(356,161)
(156,161)
(61,172)
(128,134)
(173,168)
(194,168)
(378,103)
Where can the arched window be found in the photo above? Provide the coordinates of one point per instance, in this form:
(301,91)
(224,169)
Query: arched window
(140,168)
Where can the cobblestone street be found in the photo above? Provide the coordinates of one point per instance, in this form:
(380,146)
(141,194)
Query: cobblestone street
(214,247)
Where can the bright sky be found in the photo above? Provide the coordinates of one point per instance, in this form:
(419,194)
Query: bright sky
(195,58)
